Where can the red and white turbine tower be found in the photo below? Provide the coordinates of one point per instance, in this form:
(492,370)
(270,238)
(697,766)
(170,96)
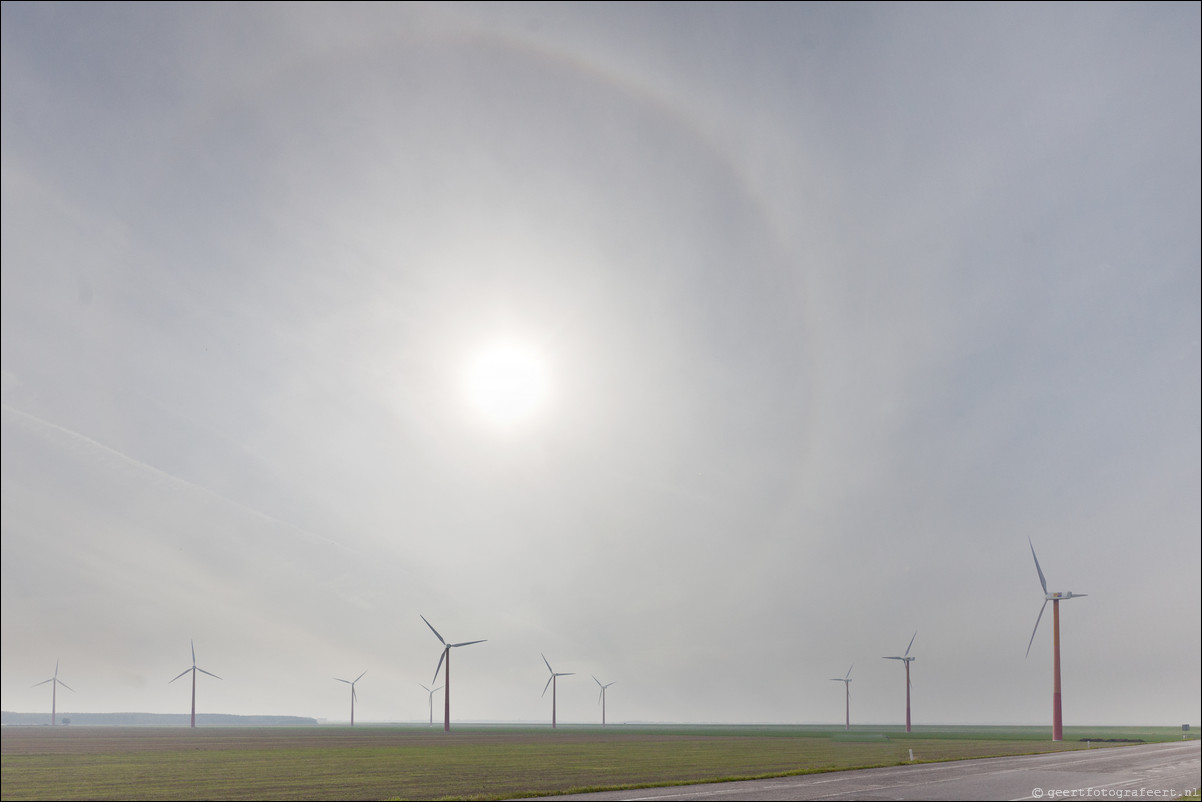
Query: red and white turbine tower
(552,684)
(353,695)
(194,669)
(430,691)
(907,659)
(600,697)
(1055,599)
(54,683)
(846,680)
(446,655)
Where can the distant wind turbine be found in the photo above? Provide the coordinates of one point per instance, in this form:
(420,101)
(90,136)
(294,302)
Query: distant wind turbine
(847,687)
(446,655)
(194,669)
(431,692)
(600,696)
(1055,599)
(552,684)
(907,659)
(54,683)
(353,696)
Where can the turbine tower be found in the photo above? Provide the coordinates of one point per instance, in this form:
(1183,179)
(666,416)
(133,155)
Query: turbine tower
(54,683)
(1055,599)
(194,669)
(553,685)
(600,697)
(431,692)
(847,686)
(907,659)
(353,697)
(446,655)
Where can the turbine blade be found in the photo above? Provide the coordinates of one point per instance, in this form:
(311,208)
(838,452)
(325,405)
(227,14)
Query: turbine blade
(43,682)
(354,696)
(1041,609)
(911,642)
(596,680)
(439,666)
(893,658)
(548,664)
(1042,581)
(432,629)
(185,671)
(210,673)
(600,694)
(853,665)
(566,674)
(466,643)
(193,651)
(56,668)
(424,688)
(65,685)
(548,685)
(359,677)
(338,679)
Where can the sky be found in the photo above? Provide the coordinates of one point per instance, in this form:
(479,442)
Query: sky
(705,349)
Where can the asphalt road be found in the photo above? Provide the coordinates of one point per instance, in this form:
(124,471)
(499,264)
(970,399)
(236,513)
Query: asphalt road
(1145,771)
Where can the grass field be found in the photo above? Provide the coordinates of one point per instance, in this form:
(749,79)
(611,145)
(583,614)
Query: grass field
(482,762)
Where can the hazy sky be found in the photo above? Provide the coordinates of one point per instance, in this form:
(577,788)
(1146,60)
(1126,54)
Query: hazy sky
(815,312)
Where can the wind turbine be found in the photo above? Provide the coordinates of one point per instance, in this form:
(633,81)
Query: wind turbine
(446,655)
(600,696)
(1055,599)
(353,696)
(54,683)
(553,685)
(907,659)
(847,686)
(194,669)
(431,692)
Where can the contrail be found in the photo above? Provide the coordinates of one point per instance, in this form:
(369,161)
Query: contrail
(33,422)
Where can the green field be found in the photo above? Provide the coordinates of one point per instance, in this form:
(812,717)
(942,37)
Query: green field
(480,762)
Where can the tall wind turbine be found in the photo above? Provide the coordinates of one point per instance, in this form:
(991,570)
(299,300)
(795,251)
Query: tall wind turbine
(1055,599)
(847,687)
(446,655)
(54,683)
(353,697)
(600,696)
(194,669)
(907,659)
(552,684)
(431,692)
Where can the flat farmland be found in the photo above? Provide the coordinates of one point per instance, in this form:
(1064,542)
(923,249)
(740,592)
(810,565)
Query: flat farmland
(406,762)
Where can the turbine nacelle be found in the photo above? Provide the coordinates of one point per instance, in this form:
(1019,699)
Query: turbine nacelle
(555,674)
(906,658)
(194,668)
(1047,595)
(54,680)
(601,694)
(845,678)
(446,647)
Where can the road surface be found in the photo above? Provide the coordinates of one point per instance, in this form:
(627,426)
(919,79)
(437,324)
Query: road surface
(1145,771)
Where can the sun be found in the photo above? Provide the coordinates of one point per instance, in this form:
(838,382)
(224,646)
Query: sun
(506,384)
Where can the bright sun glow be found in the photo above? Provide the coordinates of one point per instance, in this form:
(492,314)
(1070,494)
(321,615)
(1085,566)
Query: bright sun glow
(506,383)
